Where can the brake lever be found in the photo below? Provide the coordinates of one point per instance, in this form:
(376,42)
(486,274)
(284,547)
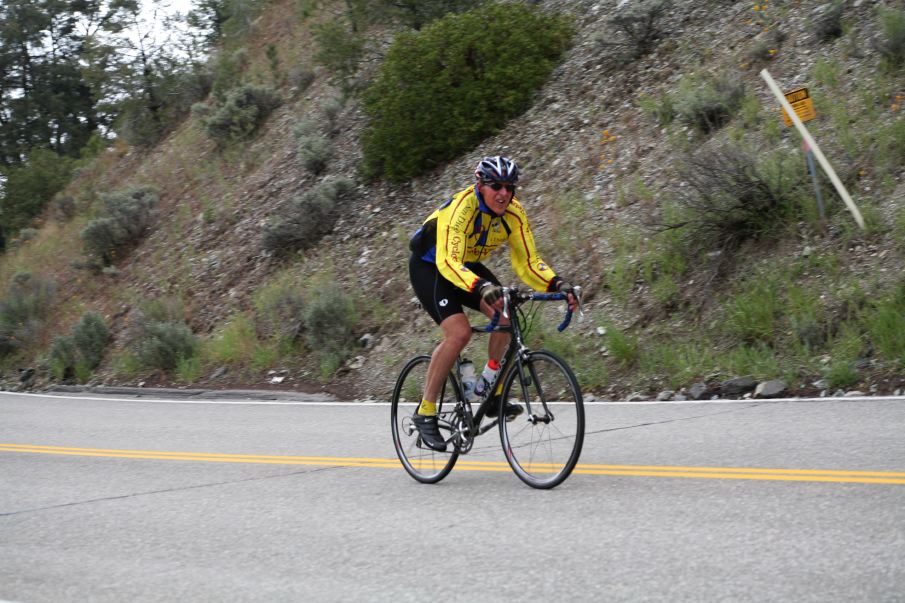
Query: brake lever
(506,291)
(576,291)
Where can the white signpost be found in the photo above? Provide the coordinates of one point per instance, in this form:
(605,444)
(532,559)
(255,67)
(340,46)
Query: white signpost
(812,145)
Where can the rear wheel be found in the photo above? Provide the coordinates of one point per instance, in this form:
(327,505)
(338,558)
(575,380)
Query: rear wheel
(425,465)
(543,444)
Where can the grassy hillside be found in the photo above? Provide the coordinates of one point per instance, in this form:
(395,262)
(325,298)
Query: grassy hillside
(658,174)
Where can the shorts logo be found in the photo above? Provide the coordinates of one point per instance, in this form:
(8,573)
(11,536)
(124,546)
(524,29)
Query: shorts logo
(443,302)
(541,266)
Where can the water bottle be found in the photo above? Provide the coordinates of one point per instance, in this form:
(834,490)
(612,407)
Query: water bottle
(468,378)
(491,369)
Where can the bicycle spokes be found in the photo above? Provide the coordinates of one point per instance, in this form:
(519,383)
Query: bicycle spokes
(422,463)
(543,447)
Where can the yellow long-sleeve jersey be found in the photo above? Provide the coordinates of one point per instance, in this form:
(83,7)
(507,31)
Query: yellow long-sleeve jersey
(465,230)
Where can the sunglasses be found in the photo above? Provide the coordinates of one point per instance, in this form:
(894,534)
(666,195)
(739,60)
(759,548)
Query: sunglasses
(499,185)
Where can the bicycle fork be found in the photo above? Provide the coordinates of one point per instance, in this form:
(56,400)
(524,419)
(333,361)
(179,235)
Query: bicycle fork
(525,381)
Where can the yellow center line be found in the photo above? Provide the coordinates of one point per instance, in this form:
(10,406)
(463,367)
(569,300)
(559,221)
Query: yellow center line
(750,473)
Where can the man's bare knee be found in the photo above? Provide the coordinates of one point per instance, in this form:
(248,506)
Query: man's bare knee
(458,338)
(456,331)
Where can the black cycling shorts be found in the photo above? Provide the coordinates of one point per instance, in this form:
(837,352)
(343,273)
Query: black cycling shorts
(440,297)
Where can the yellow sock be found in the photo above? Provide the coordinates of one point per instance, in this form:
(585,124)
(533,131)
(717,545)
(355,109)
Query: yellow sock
(427,408)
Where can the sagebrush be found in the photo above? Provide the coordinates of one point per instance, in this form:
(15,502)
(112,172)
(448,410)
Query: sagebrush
(74,356)
(306,219)
(158,336)
(29,300)
(734,193)
(242,112)
(122,222)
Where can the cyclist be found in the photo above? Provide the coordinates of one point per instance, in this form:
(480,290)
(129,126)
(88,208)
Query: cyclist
(446,273)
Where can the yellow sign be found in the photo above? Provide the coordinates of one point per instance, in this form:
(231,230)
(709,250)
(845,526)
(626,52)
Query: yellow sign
(803,104)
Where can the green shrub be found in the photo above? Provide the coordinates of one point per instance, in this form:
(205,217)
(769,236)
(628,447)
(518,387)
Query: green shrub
(659,107)
(90,336)
(305,127)
(63,207)
(27,234)
(841,374)
(828,25)
(708,103)
(158,336)
(315,152)
(80,352)
(189,370)
(63,358)
(306,219)
(641,26)
(29,300)
(165,345)
(332,108)
(300,78)
(201,111)
(228,70)
(733,194)
(442,90)
(235,343)
(339,50)
(125,218)
(243,111)
(329,319)
(892,45)
(278,311)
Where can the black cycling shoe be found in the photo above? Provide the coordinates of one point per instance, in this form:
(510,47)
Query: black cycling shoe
(430,432)
(512,410)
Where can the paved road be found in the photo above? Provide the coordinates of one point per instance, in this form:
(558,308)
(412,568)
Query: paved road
(125,500)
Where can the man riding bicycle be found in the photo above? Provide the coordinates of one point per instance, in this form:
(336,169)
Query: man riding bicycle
(446,273)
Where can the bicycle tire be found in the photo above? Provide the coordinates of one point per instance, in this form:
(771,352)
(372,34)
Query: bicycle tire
(543,453)
(425,465)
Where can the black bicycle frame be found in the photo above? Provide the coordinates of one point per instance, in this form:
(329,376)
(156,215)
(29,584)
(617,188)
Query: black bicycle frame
(515,352)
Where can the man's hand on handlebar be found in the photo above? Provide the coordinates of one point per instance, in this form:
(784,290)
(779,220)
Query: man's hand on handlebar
(492,295)
(571,296)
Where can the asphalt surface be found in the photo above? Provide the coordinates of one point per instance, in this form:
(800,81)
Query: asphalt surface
(117,499)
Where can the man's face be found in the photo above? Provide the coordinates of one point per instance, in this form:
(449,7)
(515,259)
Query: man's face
(497,195)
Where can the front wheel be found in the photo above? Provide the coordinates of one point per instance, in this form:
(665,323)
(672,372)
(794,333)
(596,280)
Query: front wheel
(422,463)
(543,444)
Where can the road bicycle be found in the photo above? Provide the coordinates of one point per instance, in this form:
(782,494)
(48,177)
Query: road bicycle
(542,445)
